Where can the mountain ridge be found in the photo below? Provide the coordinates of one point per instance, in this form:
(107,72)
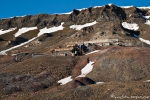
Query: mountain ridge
(41,20)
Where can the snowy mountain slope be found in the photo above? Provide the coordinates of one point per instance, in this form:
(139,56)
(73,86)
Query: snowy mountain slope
(92,53)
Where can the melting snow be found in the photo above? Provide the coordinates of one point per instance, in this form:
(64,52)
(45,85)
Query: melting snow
(99,82)
(79,27)
(93,52)
(129,26)
(147,81)
(50,30)
(143,40)
(6,31)
(126,6)
(24,30)
(148,22)
(87,69)
(65,80)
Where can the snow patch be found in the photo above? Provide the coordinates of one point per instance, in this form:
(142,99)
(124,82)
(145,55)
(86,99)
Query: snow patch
(130,15)
(65,80)
(148,22)
(129,26)
(110,4)
(87,69)
(93,52)
(147,81)
(126,6)
(144,7)
(97,6)
(50,30)
(143,40)
(147,17)
(99,82)
(24,30)
(6,31)
(79,27)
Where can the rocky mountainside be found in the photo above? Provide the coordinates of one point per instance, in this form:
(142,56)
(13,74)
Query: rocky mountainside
(89,54)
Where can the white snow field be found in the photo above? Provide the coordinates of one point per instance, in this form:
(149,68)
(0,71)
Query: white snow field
(87,69)
(65,80)
(24,30)
(42,31)
(50,30)
(130,26)
(79,27)
(6,31)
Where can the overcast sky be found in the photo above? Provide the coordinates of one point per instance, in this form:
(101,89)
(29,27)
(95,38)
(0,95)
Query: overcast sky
(10,8)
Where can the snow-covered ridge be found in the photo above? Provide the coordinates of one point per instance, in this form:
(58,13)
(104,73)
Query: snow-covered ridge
(79,27)
(50,30)
(24,30)
(6,31)
(130,26)
(126,6)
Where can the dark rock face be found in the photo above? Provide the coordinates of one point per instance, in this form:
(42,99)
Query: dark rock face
(85,80)
(1,39)
(18,40)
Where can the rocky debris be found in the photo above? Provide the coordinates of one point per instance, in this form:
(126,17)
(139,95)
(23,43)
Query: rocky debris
(88,29)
